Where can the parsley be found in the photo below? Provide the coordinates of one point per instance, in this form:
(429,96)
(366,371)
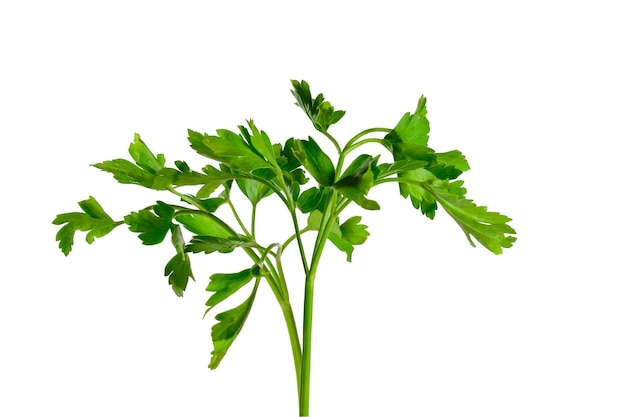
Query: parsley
(246,161)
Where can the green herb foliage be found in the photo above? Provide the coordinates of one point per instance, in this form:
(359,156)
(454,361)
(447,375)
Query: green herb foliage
(315,189)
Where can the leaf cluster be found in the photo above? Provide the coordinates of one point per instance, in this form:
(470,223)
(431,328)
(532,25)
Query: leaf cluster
(311,184)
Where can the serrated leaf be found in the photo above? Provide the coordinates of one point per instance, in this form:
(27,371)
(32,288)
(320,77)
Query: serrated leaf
(178,271)
(419,195)
(196,141)
(230,148)
(411,152)
(94,220)
(225,285)
(353,232)
(454,158)
(316,162)
(261,142)
(144,157)
(490,229)
(228,327)
(319,111)
(448,165)
(412,128)
(357,180)
(125,172)
(152,223)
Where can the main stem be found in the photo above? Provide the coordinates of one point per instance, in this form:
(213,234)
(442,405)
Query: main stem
(307,328)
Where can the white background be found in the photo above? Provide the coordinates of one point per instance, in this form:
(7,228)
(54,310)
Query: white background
(420,324)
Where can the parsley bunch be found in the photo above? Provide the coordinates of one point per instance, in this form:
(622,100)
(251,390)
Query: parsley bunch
(247,161)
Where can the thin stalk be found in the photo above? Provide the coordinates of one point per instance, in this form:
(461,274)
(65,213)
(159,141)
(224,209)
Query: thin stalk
(243,227)
(279,288)
(298,236)
(366,132)
(292,237)
(363,142)
(333,140)
(291,206)
(253,221)
(307,328)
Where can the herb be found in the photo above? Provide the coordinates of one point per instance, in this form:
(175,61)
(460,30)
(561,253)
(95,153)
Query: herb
(247,161)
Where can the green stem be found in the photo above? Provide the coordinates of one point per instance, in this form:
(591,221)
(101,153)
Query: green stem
(279,288)
(253,221)
(298,236)
(333,140)
(292,237)
(307,328)
(363,142)
(305,376)
(294,340)
(366,132)
(243,227)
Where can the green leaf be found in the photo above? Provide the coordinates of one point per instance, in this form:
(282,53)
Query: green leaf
(315,219)
(288,160)
(182,166)
(196,141)
(411,152)
(219,176)
(357,180)
(228,328)
(152,223)
(215,177)
(342,244)
(254,189)
(490,229)
(261,142)
(310,199)
(178,269)
(149,170)
(229,148)
(125,172)
(412,128)
(205,224)
(321,112)
(178,178)
(354,232)
(316,162)
(453,158)
(448,165)
(94,220)
(335,235)
(210,244)
(144,158)
(387,170)
(414,187)
(211,204)
(225,285)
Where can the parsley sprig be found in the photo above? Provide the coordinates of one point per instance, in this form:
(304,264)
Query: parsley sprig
(246,161)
